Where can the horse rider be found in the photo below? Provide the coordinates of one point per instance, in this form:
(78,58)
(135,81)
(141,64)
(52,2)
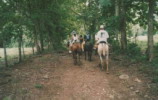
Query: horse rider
(81,39)
(102,35)
(72,39)
(82,42)
(87,37)
(75,38)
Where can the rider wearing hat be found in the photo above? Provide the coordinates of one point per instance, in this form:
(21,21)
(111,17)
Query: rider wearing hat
(87,37)
(102,35)
(75,38)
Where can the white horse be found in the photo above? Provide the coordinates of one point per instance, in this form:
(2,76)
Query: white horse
(103,52)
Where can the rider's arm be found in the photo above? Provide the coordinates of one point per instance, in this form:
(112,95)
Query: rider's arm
(107,35)
(97,36)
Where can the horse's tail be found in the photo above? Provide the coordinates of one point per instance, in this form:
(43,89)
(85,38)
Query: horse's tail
(105,49)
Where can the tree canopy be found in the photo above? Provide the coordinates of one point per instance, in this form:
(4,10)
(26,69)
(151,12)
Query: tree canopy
(49,22)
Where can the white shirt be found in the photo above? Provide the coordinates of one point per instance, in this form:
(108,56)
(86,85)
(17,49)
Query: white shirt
(96,38)
(102,35)
(75,38)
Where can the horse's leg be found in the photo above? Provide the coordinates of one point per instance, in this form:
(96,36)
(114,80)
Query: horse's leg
(100,53)
(96,51)
(75,58)
(69,50)
(107,58)
(85,55)
(90,55)
(107,64)
(101,61)
(82,46)
(79,57)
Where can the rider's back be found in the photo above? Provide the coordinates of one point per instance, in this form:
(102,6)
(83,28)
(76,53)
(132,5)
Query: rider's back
(102,35)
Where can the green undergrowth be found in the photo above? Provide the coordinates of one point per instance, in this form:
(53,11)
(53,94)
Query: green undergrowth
(38,86)
(134,54)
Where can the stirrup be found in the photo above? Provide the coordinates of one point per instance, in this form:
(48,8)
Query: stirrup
(102,42)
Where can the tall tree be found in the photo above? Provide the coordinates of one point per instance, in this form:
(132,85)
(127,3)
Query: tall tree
(5,53)
(150,29)
(123,26)
(117,10)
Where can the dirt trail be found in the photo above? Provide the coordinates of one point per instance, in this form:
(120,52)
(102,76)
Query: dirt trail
(54,77)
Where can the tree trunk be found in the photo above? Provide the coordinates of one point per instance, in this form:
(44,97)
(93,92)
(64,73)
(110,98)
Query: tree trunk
(150,30)
(92,30)
(23,49)
(117,14)
(36,40)
(19,46)
(116,8)
(50,38)
(135,37)
(33,51)
(41,42)
(123,27)
(5,53)
(41,25)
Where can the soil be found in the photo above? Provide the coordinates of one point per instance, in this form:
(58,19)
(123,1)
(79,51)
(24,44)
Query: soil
(55,77)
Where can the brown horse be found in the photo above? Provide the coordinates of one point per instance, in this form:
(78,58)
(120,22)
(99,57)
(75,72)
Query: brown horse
(76,52)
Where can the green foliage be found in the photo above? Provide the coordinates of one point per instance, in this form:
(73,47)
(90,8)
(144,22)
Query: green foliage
(151,69)
(104,2)
(155,79)
(155,49)
(49,23)
(133,50)
(154,64)
(38,86)
(144,33)
(7,98)
(115,46)
(45,21)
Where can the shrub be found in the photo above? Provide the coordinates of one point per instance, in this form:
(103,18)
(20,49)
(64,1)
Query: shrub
(115,46)
(39,86)
(134,51)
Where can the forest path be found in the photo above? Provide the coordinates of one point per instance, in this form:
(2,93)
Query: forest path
(54,77)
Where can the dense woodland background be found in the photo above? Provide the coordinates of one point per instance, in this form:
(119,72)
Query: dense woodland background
(45,24)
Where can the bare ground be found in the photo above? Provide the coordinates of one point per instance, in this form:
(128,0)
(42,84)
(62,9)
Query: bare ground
(54,77)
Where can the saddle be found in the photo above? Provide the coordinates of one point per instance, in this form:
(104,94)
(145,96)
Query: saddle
(102,42)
